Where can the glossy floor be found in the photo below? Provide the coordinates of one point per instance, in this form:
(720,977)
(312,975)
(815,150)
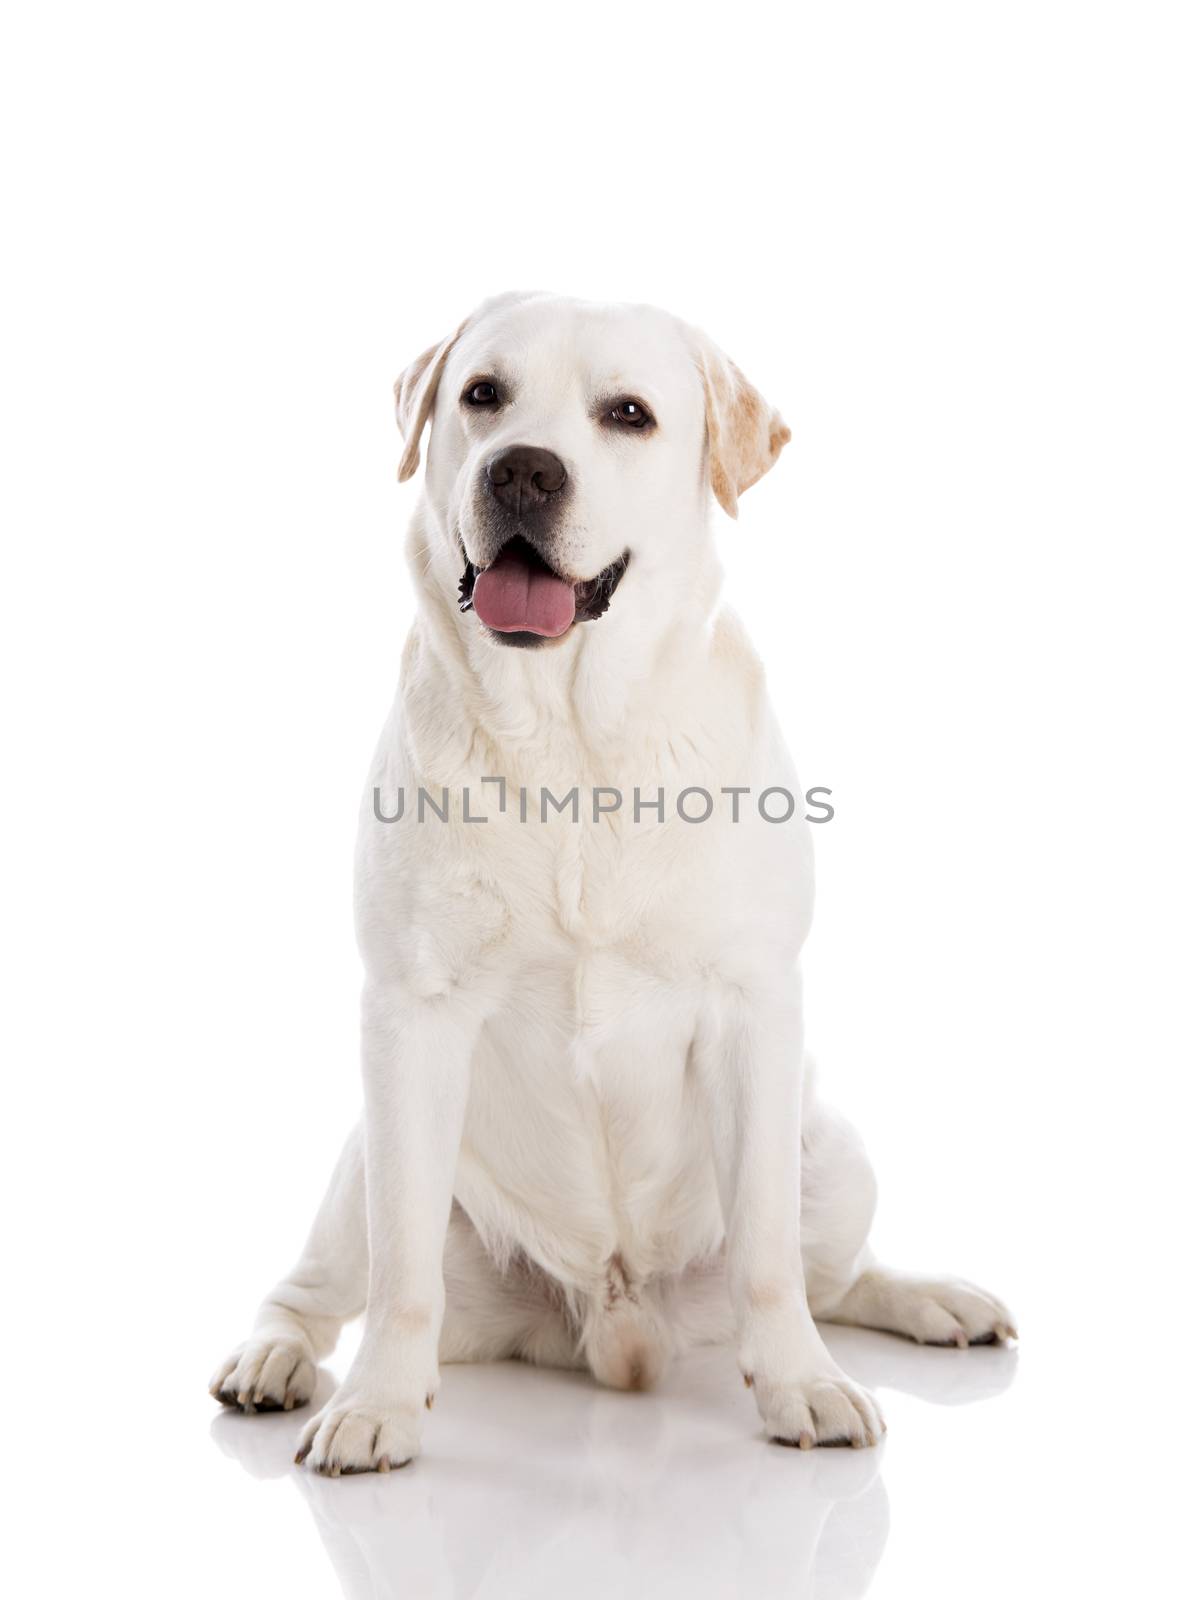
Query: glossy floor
(537,1483)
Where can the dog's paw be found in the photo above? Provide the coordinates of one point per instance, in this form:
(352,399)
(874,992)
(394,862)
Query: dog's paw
(355,1434)
(269,1373)
(826,1409)
(947,1311)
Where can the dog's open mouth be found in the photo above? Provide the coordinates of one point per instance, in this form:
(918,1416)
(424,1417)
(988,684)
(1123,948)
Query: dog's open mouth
(520,593)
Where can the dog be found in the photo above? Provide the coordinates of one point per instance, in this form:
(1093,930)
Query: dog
(590,1134)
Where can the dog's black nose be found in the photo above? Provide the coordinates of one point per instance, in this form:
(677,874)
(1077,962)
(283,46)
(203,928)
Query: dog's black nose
(523,477)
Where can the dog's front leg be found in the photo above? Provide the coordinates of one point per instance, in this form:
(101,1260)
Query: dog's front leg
(749,1054)
(416,1066)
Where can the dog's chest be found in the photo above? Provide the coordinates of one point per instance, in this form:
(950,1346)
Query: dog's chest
(601,881)
(584,1128)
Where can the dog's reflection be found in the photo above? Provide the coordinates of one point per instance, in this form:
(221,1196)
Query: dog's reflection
(538,1482)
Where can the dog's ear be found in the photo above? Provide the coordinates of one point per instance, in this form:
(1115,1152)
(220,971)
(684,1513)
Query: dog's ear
(745,434)
(416,390)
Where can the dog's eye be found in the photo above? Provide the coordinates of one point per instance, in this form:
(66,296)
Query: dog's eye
(481,394)
(631,414)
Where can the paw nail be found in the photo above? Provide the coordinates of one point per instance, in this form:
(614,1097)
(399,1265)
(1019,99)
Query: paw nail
(335,1470)
(384,1466)
(806,1441)
(748,1379)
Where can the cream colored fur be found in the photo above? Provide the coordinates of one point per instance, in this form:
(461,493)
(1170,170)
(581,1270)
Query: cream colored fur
(589,1134)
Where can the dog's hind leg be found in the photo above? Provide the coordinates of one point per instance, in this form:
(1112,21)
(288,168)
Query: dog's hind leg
(945,1311)
(845,1283)
(490,1314)
(299,1321)
(493,1314)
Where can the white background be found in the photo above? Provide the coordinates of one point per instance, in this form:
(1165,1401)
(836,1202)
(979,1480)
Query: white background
(957,245)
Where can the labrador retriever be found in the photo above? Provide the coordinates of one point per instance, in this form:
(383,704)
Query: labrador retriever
(590,1136)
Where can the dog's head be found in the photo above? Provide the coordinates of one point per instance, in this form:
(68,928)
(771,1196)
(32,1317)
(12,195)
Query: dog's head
(570,442)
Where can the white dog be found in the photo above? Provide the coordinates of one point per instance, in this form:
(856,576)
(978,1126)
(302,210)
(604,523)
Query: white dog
(589,1137)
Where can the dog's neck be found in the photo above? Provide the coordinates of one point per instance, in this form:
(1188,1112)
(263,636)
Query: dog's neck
(619,684)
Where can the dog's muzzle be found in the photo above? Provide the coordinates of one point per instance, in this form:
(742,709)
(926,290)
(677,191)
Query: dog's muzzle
(516,589)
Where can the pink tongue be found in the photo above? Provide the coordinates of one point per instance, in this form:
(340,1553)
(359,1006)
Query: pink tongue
(513,597)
